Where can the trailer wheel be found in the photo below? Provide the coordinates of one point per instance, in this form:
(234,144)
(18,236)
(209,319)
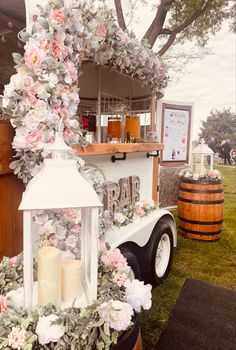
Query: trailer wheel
(158,255)
(132,262)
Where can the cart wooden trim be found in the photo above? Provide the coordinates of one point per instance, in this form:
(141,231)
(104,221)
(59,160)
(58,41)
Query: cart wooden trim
(110,148)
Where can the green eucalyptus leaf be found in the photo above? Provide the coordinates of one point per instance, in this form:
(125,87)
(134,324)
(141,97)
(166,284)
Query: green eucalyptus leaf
(16,57)
(24,36)
(44,23)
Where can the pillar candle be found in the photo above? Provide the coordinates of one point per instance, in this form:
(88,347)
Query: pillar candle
(71,279)
(49,276)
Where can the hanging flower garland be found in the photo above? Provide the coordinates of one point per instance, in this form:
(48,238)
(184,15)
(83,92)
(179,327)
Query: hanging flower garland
(45,87)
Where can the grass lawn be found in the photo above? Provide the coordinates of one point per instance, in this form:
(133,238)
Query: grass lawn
(214,262)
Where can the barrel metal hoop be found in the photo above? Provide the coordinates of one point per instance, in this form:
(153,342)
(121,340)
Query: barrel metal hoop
(199,232)
(200,222)
(200,202)
(200,191)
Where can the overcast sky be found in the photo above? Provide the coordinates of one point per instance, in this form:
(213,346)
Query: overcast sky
(208,83)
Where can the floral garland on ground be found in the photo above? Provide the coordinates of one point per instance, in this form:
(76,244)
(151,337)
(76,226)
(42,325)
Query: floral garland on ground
(212,175)
(96,326)
(45,87)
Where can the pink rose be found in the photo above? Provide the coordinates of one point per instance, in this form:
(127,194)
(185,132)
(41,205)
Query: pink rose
(115,259)
(58,49)
(139,211)
(29,94)
(28,82)
(71,69)
(33,58)
(69,214)
(34,139)
(3,304)
(120,218)
(17,337)
(71,241)
(13,260)
(68,133)
(148,203)
(102,30)
(119,279)
(46,45)
(58,16)
(76,228)
(125,39)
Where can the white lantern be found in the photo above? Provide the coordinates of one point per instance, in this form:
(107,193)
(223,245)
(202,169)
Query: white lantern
(59,185)
(202,158)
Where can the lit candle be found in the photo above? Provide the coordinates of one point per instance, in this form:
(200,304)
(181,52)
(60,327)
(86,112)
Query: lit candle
(71,279)
(49,276)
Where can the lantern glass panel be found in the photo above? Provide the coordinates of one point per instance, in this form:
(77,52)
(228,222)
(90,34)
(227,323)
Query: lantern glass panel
(206,163)
(58,254)
(196,163)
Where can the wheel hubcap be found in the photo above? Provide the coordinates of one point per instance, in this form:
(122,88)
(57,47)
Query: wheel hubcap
(162,255)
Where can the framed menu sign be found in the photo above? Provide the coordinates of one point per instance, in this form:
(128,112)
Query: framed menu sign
(176,122)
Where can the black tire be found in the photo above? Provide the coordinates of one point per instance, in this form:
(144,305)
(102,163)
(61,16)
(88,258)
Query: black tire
(156,264)
(132,262)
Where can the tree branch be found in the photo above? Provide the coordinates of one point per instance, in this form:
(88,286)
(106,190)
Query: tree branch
(155,28)
(183,26)
(120,15)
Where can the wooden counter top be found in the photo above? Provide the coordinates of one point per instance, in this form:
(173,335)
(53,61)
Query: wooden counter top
(111,148)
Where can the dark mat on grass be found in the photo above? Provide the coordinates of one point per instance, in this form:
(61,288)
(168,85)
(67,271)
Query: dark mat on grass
(203,318)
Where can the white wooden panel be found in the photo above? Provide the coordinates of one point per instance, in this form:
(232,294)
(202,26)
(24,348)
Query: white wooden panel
(135,164)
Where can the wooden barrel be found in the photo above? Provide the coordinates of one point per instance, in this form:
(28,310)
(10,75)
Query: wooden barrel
(131,339)
(201,209)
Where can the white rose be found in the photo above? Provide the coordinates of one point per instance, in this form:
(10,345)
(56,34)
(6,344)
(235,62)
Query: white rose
(16,297)
(53,80)
(50,226)
(16,80)
(74,123)
(139,204)
(5,102)
(48,332)
(9,89)
(138,295)
(116,313)
(41,106)
(61,231)
(120,218)
(41,217)
(196,176)
(20,138)
(32,119)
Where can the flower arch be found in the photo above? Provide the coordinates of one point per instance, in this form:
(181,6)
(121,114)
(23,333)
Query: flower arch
(45,86)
